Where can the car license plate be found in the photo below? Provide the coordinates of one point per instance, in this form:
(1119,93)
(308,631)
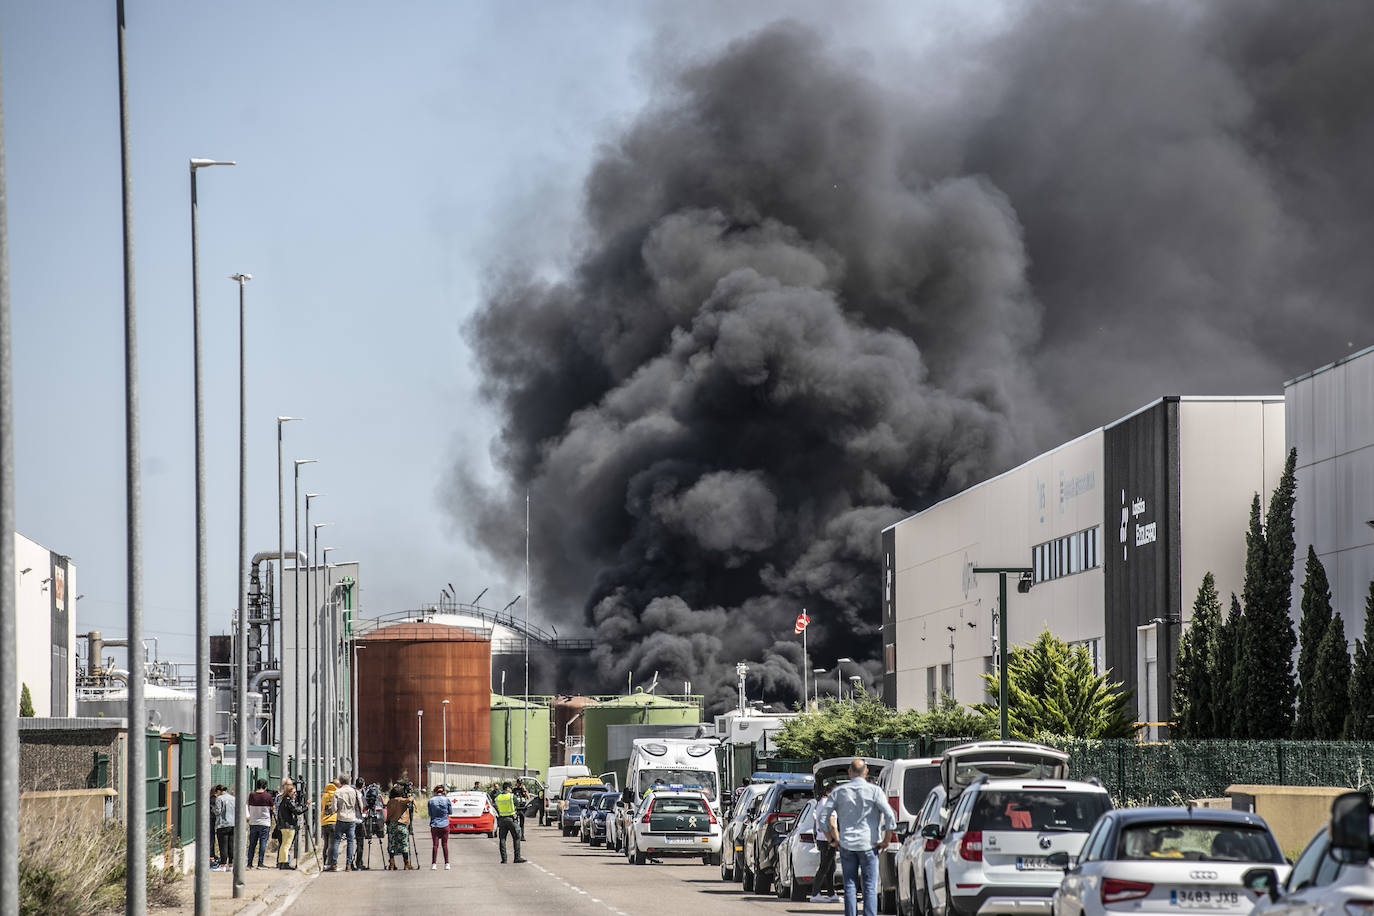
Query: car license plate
(1198,899)
(681,839)
(1033,863)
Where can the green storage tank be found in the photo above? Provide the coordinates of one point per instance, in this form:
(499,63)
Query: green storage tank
(508,734)
(639,708)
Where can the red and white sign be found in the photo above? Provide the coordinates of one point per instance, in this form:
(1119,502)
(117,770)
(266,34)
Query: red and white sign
(802,621)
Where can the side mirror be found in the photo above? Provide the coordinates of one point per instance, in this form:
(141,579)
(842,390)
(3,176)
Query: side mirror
(1058,860)
(1260,881)
(1350,834)
(932,832)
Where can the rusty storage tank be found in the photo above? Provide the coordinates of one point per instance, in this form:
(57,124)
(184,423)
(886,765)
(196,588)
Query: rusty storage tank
(413,667)
(565,720)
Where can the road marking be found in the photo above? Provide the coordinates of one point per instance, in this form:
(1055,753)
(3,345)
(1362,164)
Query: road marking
(571,886)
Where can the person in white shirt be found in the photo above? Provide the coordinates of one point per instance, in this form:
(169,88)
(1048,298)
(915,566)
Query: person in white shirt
(348,810)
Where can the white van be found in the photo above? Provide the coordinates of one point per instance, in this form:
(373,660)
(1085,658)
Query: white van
(553,790)
(675,762)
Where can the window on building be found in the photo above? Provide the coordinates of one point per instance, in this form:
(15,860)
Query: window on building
(890,657)
(1068,555)
(947,680)
(931,694)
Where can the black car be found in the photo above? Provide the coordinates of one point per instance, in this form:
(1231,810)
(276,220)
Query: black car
(773,820)
(592,826)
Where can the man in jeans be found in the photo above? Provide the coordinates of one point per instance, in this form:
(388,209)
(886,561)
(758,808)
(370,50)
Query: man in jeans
(862,827)
(260,804)
(348,808)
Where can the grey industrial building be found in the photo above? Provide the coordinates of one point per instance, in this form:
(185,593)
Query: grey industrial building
(1330,419)
(1120,525)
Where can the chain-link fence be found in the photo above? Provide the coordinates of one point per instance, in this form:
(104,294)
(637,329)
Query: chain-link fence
(1170,772)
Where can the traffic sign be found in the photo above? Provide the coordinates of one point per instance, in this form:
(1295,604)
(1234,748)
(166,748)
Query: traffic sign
(578,758)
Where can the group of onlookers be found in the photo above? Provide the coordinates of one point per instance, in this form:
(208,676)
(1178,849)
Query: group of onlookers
(274,815)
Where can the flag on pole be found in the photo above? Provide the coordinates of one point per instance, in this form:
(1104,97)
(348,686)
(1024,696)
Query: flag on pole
(802,621)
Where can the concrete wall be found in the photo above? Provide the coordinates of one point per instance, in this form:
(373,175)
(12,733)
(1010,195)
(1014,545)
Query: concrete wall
(1330,421)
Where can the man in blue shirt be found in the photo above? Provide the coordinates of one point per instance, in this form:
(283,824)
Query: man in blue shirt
(862,826)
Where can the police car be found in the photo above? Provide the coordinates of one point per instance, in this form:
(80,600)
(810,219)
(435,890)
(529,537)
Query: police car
(674,821)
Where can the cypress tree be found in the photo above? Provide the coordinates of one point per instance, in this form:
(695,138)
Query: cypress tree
(1193,681)
(1331,680)
(25,703)
(1316,619)
(1220,670)
(1359,722)
(1268,640)
(1253,594)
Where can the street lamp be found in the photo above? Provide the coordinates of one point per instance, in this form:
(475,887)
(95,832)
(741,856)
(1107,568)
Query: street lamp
(329,637)
(420,747)
(316,665)
(816,683)
(280,725)
(445,730)
(298,701)
(839,681)
(1023,585)
(241,645)
(204,695)
(855,685)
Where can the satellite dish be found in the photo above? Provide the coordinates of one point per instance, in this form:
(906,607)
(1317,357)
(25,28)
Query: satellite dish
(217,753)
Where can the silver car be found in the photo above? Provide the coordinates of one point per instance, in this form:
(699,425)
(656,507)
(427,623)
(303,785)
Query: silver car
(1166,860)
(798,857)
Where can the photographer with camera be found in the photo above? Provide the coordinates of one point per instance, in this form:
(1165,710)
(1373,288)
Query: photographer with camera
(400,808)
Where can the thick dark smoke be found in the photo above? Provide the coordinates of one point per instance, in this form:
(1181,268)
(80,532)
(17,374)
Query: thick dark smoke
(810,303)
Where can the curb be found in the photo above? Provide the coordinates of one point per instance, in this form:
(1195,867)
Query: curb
(290,887)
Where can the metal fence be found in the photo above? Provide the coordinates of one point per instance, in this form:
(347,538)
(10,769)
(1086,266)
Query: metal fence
(1168,772)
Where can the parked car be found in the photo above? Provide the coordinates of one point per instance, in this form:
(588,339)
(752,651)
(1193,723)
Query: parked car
(798,856)
(618,823)
(906,783)
(994,857)
(674,822)
(553,791)
(1163,860)
(471,813)
(773,819)
(592,825)
(576,794)
(916,857)
(1333,875)
(960,766)
(732,849)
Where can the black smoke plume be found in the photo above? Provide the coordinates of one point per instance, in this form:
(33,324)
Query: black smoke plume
(813,299)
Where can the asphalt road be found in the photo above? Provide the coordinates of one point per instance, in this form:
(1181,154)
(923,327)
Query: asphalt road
(563,878)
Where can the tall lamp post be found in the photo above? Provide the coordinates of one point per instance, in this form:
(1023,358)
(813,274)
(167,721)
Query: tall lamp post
(317,666)
(839,679)
(445,729)
(311,747)
(204,695)
(298,700)
(1023,585)
(816,683)
(280,728)
(331,750)
(423,777)
(9,658)
(241,644)
(357,754)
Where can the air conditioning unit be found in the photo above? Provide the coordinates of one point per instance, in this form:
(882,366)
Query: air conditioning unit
(216,753)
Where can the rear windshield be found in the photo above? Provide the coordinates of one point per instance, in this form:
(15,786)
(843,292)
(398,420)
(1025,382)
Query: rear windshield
(667,804)
(916,785)
(606,802)
(1031,809)
(582,793)
(1198,843)
(1007,765)
(793,800)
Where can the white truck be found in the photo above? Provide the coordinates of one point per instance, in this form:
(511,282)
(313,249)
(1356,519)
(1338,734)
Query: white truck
(553,790)
(675,762)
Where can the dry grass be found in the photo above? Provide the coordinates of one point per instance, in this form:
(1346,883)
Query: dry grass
(70,869)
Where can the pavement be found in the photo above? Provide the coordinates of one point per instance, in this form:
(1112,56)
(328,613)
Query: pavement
(266,890)
(562,877)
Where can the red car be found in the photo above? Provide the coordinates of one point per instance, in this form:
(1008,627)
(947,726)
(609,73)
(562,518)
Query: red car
(472,813)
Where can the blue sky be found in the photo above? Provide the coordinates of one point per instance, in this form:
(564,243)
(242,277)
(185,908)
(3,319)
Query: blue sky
(390,157)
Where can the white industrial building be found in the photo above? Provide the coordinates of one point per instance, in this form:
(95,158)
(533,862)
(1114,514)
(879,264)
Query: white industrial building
(1330,419)
(1120,525)
(45,604)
